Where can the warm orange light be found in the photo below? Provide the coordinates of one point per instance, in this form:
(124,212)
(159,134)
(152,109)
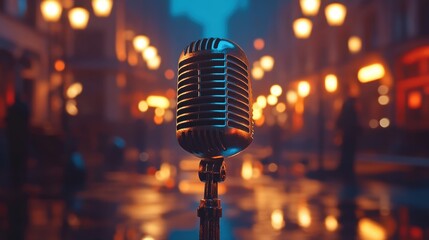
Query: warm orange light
(256,114)
(331,223)
(267,63)
(169,74)
(303,88)
(302,28)
(159,112)
(51,10)
(276,90)
(143,107)
(158,120)
(261,101)
(304,217)
(331,83)
(71,107)
(383,100)
(150,53)
(59,65)
(371,73)
(335,14)
(310,7)
(384,122)
(247,170)
(140,42)
(291,97)
(355,44)
(158,101)
(259,122)
(74,90)
(170,93)
(259,44)
(369,229)
(78,18)
(272,100)
(154,63)
(257,73)
(102,8)
(277,219)
(415,100)
(280,107)
(168,115)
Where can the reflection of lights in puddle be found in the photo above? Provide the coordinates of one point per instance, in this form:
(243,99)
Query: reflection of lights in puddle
(304,217)
(192,187)
(369,229)
(277,219)
(331,223)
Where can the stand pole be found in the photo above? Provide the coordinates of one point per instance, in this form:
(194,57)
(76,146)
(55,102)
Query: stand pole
(211,172)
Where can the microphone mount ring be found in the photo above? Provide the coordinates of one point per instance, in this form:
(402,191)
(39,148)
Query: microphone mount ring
(211,172)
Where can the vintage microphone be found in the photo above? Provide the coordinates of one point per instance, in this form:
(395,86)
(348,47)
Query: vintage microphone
(214,117)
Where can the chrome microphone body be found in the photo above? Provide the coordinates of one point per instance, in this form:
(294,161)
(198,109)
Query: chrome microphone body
(214,117)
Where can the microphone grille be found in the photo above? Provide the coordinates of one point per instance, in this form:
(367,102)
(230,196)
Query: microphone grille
(213,88)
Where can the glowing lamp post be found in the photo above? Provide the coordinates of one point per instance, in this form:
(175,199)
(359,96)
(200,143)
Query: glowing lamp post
(310,7)
(102,8)
(149,53)
(354,44)
(303,89)
(78,18)
(51,10)
(331,83)
(335,14)
(140,42)
(302,28)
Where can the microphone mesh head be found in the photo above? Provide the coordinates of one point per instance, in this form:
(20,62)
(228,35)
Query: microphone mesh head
(214,117)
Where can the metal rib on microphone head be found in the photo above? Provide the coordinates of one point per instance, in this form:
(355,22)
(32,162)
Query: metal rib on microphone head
(214,117)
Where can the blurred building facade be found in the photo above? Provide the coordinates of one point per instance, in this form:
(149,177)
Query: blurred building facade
(394,108)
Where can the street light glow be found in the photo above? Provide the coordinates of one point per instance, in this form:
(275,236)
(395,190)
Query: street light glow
(140,42)
(158,101)
(51,10)
(280,107)
(143,107)
(150,53)
(272,100)
(277,219)
(355,44)
(303,89)
(302,28)
(383,100)
(102,8)
(291,97)
(384,122)
(331,83)
(261,101)
(257,73)
(259,44)
(310,7)
(78,18)
(335,14)
(331,223)
(267,63)
(74,90)
(371,73)
(154,63)
(71,107)
(276,90)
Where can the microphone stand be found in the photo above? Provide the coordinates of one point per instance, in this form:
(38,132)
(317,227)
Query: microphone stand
(211,172)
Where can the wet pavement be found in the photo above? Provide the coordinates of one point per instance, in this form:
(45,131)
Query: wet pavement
(259,202)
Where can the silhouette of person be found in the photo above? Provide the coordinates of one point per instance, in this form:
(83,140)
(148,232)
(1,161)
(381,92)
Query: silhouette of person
(348,125)
(18,136)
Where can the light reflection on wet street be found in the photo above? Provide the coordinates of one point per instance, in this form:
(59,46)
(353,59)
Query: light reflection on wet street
(257,204)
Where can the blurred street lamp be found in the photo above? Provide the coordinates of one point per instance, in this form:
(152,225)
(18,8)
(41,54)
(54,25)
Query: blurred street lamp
(371,73)
(143,106)
(335,14)
(261,101)
(310,7)
(276,90)
(140,42)
(302,28)
(291,97)
(267,63)
(74,90)
(78,18)
(102,8)
(331,83)
(257,73)
(354,44)
(259,44)
(158,101)
(71,107)
(154,63)
(303,89)
(272,100)
(51,10)
(280,107)
(149,53)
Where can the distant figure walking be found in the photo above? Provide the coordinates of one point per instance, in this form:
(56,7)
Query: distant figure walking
(18,137)
(348,125)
